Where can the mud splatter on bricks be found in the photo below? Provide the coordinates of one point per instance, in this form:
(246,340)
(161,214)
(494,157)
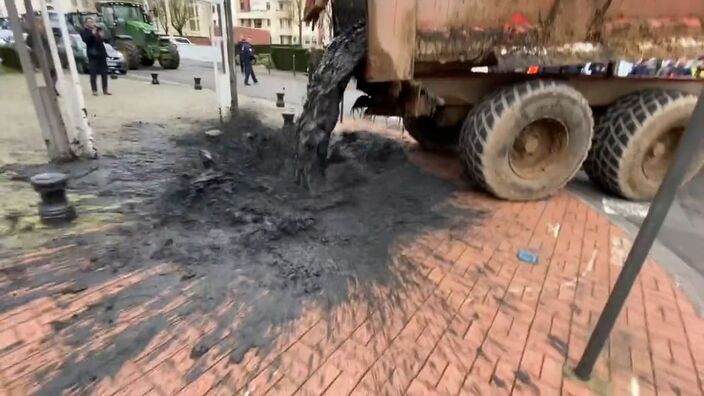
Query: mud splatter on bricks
(257,247)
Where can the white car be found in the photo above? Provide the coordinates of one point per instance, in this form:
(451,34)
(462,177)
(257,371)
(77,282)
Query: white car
(180,40)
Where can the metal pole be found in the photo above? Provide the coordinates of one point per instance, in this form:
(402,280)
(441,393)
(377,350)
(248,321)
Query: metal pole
(55,150)
(73,92)
(228,32)
(690,142)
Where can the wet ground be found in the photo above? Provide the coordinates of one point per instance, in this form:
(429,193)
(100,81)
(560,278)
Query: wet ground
(236,228)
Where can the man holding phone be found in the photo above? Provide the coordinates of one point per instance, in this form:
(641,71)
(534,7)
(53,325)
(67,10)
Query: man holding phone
(94,38)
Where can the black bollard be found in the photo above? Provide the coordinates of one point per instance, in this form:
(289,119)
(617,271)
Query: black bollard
(288,118)
(155,78)
(196,84)
(280,99)
(54,207)
(113,76)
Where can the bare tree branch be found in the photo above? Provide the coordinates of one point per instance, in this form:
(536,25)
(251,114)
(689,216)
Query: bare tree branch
(297,8)
(181,13)
(158,8)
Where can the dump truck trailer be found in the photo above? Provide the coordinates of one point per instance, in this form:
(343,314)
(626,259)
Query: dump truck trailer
(531,92)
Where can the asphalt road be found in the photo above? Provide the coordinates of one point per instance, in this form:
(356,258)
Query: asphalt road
(682,236)
(294,88)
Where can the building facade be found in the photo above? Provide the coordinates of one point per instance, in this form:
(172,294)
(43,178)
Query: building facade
(279,17)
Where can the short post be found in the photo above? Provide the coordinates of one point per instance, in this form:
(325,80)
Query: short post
(690,142)
(54,207)
(113,76)
(196,84)
(155,78)
(294,64)
(288,118)
(280,99)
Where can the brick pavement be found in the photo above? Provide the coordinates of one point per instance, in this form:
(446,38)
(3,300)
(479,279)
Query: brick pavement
(475,321)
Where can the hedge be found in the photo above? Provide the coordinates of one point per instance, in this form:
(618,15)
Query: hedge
(10,58)
(282,56)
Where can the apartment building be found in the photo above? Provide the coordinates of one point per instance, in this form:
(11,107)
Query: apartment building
(280,18)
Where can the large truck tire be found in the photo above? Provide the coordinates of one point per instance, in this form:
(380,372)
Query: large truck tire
(130,51)
(635,142)
(173,60)
(430,136)
(526,141)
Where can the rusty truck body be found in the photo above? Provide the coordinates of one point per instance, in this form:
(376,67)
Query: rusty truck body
(529,92)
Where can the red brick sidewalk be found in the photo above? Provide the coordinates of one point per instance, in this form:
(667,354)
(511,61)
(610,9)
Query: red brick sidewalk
(476,321)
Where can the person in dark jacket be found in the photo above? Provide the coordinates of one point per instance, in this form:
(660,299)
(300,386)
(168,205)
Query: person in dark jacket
(240,48)
(247,58)
(97,55)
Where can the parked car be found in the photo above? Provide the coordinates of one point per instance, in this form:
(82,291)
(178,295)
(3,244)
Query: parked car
(116,61)
(179,40)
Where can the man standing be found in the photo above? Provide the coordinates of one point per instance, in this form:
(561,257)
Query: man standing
(240,47)
(97,56)
(247,59)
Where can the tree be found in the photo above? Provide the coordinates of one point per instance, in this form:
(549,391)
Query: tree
(158,8)
(297,8)
(182,12)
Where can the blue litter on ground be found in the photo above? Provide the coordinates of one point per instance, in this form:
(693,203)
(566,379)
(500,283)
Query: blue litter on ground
(527,256)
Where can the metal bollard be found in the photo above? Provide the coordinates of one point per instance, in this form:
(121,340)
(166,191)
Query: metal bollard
(280,99)
(113,76)
(155,78)
(294,64)
(196,84)
(54,207)
(288,118)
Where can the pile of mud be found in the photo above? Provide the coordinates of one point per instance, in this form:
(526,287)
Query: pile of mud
(289,245)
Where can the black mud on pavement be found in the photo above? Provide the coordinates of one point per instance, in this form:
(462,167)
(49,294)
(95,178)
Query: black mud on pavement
(253,249)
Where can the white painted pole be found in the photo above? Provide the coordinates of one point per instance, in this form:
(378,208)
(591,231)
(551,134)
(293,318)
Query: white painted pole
(74,92)
(59,84)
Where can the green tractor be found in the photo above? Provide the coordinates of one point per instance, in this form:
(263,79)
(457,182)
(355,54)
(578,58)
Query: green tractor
(130,31)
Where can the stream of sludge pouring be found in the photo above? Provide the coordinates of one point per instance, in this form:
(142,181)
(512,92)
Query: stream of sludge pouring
(322,106)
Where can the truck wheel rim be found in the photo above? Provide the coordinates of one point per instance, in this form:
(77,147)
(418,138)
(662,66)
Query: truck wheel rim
(659,154)
(542,144)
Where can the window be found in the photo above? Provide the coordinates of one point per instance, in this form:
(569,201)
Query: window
(285,23)
(281,6)
(285,39)
(127,13)
(268,23)
(258,23)
(194,22)
(268,6)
